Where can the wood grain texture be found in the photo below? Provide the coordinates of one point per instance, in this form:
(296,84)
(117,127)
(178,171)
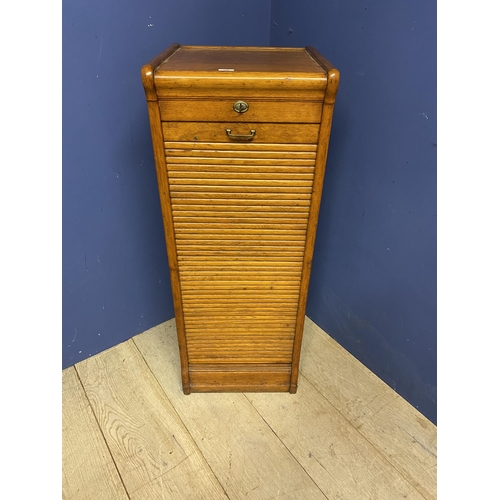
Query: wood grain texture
(89,472)
(248,148)
(166,208)
(243,452)
(153,451)
(214,330)
(256,71)
(339,460)
(405,437)
(244,60)
(223,177)
(221,110)
(148,70)
(264,132)
(319,174)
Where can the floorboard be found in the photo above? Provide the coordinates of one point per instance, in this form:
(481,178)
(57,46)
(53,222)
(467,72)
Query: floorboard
(405,437)
(129,432)
(89,472)
(245,454)
(154,453)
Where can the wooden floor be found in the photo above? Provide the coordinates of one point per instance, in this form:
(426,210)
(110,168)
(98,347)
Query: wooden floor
(130,433)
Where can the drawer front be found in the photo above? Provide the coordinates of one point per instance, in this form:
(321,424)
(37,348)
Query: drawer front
(192,110)
(281,133)
(240,219)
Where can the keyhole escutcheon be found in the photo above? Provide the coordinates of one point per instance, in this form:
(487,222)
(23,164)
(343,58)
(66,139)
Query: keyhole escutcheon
(240,106)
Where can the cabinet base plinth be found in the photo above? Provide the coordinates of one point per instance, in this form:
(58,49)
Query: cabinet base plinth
(239,378)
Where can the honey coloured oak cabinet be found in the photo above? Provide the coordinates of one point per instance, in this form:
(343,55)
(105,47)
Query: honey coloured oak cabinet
(240,138)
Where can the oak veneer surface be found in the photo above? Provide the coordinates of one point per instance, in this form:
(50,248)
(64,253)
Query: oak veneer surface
(268,60)
(240,196)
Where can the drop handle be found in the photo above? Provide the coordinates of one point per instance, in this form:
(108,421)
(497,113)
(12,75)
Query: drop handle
(239,137)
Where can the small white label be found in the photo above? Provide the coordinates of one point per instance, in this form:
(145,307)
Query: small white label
(226,69)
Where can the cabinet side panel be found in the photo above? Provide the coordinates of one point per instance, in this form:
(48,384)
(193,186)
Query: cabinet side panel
(166,208)
(319,174)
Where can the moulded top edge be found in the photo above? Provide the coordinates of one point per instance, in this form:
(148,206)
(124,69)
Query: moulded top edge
(230,62)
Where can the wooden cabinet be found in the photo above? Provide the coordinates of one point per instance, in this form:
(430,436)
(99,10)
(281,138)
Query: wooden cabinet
(240,137)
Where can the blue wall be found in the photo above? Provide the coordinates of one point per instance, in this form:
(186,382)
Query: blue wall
(115,271)
(373,284)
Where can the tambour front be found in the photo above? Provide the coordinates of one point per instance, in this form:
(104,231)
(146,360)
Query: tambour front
(240,137)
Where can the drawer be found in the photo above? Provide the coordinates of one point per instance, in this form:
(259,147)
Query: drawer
(222,110)
(279,133)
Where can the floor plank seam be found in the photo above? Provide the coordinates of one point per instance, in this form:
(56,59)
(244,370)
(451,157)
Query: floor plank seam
(286,447)
(402,474)
(101,431)
(195,444)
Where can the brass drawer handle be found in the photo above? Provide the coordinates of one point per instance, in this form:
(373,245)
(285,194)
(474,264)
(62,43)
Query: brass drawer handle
(240,137)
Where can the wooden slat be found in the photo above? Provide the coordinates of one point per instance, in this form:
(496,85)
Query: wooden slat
(224,146)
(208,260)
(234,231)
(234,327)
(176,176)
(243,296)
(230,153)
(241,266)
(242,197)
(245,336)
(294,205)
(289,162)
(243,348)
(342,463)
(403,435)
(225,263)
(227,338)
(249,460)
(89,472)
(241,270)
(237,358)
(239,330)
(226,320)
(224,210)
(229,322)
(247,247)
(227,305)
(223,308)
(241,169)
(243,252)
(261,288)
(205,228)
(241,353)
(241,219)
(198,309)
(193,184)
(150,445)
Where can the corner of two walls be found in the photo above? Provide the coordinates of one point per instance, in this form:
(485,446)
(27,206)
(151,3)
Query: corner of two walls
(373,283)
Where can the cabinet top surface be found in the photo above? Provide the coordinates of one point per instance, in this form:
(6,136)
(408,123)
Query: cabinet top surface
(236,60)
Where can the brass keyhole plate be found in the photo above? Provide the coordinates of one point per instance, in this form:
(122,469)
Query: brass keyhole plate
(240,106)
